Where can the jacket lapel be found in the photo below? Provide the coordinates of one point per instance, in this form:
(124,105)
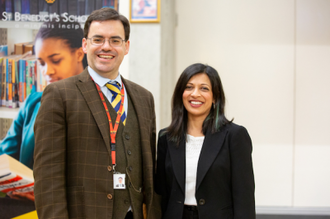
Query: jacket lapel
(144,124)
(88,90)
(210,150)
(178,161)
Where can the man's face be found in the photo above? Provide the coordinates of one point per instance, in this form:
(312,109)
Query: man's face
(120,180)
(106,59)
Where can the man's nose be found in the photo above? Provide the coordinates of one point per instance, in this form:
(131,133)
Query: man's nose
(106,45)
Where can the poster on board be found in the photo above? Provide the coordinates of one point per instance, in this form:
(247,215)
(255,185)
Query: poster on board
(23,76)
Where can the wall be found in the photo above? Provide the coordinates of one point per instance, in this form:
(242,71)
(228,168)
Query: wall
(150,61)
(273,59)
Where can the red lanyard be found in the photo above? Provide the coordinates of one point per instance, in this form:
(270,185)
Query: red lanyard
(113,130)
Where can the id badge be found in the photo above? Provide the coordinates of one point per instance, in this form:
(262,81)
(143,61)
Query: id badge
(119,181)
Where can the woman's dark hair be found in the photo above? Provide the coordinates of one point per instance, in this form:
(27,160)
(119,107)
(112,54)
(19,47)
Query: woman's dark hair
(70,32)
(216,118)
(106,14)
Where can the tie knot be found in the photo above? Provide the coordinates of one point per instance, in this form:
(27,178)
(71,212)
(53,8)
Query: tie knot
(113,86)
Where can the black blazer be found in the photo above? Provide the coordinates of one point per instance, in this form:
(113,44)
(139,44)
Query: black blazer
(225,181)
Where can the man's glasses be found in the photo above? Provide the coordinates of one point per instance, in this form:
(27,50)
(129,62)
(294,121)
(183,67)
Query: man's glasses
(99,41)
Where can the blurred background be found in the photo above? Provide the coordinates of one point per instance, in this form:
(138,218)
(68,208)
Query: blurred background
(273,57)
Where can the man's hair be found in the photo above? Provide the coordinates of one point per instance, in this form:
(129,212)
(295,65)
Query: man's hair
(106,14)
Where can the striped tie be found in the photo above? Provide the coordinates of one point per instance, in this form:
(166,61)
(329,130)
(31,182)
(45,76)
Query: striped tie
(116,99)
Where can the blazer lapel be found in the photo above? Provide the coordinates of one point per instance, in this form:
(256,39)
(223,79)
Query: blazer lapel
(89,91)
(178,161)
(210,150)
(138,102)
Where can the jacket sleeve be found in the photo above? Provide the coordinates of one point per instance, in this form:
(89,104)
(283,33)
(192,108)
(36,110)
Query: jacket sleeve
(242,174)
(50,156)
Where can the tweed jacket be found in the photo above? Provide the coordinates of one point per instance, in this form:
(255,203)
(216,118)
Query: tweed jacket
(224,179)
(72,167)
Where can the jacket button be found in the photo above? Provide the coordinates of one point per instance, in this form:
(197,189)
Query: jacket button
(129,152)
(109,168)
(127,137)
(201,201)
(109,196)
(130,168)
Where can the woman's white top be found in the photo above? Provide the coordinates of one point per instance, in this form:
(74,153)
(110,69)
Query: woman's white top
(193,150)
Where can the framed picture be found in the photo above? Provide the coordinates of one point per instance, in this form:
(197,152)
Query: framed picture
(142,11)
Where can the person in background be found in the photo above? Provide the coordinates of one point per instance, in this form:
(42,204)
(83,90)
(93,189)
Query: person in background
(60,55)
(204,164)
(94,128)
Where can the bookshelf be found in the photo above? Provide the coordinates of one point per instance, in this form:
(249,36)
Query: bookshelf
(15,32)
(8,113)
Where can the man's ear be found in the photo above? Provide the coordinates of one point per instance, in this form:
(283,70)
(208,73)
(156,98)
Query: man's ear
(84,45)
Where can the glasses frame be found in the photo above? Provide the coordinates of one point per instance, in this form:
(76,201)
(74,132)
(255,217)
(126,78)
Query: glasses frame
(104,39)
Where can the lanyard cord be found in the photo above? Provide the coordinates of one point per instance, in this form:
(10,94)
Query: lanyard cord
(113,130)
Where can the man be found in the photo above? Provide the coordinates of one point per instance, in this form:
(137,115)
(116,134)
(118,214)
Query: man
(76,158)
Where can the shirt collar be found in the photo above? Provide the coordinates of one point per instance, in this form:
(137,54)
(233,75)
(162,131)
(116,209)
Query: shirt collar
(101,81)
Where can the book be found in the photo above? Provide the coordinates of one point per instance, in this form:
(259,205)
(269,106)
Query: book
(1,64)
(26,6)
(34,7)
(81,7)
(14,176)
(4,82)
(18,6)
(22,83)
(34,76)
(28,47)
(30,215)
(2,8)
(28,78)
(72,7)
(98,4)
(19,48)
(3,50)
(14,84)
(89,6)
(109,3)
(43,7)
(54,8)
(63,6)
(10,10)
(9,84)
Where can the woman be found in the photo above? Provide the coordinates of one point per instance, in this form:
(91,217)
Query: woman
(204,165)
(60,55)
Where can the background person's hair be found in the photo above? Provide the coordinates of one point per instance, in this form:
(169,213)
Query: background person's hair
(67,31)
(216,118)
(106,14)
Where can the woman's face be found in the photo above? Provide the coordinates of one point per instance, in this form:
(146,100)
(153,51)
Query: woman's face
(57,60)
(198,97)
